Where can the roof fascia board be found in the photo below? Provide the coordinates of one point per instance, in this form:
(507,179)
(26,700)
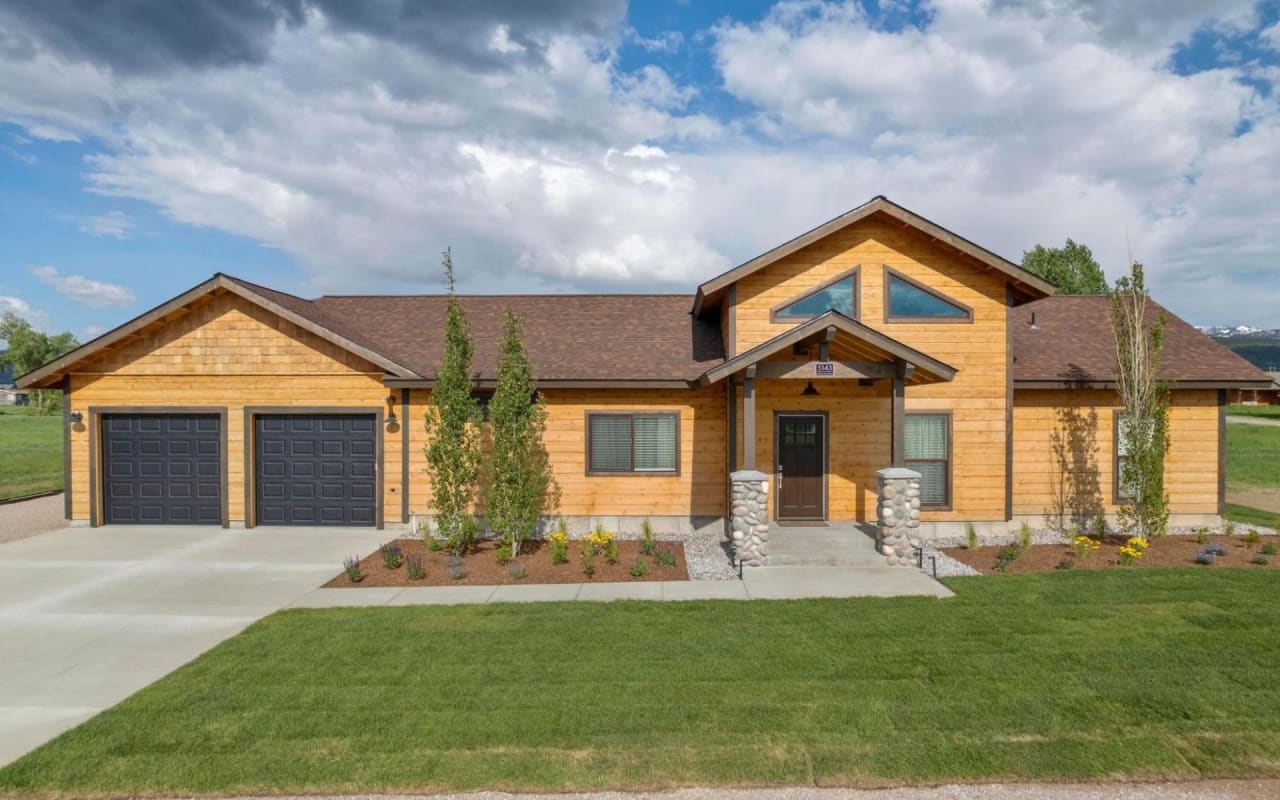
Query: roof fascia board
(1201,384)
(427,383)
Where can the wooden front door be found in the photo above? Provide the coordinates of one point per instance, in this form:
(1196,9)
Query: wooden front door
(800,468)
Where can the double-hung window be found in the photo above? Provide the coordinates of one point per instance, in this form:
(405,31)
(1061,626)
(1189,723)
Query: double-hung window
(633,443)
(927,446)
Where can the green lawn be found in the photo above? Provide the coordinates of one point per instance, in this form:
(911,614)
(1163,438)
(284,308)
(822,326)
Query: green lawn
(1121,674)
(30,452)
(1246,515)
(1253,455)
(1254,411)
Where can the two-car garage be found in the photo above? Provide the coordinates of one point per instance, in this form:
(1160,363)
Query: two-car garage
(169,467)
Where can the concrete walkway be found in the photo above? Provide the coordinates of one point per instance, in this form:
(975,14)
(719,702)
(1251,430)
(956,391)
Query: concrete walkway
(89,616)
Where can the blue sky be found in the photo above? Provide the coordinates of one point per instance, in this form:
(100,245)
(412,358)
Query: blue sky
(587,146)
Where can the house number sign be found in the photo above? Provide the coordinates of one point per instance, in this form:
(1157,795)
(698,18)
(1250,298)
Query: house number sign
(825,368)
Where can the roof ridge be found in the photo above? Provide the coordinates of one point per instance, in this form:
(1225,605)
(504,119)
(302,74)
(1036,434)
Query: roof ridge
(519,294)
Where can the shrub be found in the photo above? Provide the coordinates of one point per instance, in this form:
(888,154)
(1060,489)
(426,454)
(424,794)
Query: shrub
(436,545)
(1268,549)
(518,571)
(1202,535)
(1002,565)
(1252,537)
(1084,546)
(1204,557)
(558,543)
(611,551)
(1261,561)
(1228,528)
(1129,555)
(665,558)
(1009,553)
(1215,549)
(392,557)
(1067,563)
(639,569)
(351,566)
(648,544)
(458,572)
(1024,536)
(1100,528)
(453,561)
(504,554)
(971,536)
(588,561)
(414,568)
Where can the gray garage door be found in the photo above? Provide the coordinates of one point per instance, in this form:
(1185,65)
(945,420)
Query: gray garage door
(316,469)
(162,469)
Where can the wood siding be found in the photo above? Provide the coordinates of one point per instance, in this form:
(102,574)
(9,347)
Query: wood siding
(1064,453)
(699,489)
(227,352)
(978,350)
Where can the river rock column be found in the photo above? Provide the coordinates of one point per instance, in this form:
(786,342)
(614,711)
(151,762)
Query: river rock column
(899,512)
(749,517)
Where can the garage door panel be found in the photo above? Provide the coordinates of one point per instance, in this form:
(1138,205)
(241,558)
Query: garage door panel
(316,469)
(149,465)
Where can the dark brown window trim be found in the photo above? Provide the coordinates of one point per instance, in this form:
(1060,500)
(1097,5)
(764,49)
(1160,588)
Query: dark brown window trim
(775,314)
(95,450)
(889,317)
(250,512)
(826,460)
(587,415)
(949,461)
(66,445)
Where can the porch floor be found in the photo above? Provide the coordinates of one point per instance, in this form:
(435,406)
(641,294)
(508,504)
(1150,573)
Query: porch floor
(835,544)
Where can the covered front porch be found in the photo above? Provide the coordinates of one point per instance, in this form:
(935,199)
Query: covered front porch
(817,412)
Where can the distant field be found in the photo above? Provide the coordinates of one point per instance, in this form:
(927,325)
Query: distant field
(1254,411)
(30,453)
(1261,351)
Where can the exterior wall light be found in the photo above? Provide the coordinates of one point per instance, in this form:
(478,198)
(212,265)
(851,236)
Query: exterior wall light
(391,409)
(75,418)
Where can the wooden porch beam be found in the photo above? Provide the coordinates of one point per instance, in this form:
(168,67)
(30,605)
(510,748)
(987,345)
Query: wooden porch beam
(806,370)
(898,413)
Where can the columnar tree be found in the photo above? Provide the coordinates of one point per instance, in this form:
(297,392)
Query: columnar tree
(452,420)
(27,348)
(1144,428)
(521,486)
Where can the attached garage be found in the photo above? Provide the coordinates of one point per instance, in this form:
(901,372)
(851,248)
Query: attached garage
(163,468)
(316,468)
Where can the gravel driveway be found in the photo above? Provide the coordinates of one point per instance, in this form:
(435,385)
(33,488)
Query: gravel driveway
(1198,790)
(31,517)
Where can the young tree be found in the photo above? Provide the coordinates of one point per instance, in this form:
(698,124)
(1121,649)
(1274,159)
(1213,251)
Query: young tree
(1071,268)
(28,348)
(521,487)
(452,420)
(1144,428)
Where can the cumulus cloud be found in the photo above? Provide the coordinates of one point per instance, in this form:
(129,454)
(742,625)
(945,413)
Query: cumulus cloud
(95,294)
(115,224)
(363,138)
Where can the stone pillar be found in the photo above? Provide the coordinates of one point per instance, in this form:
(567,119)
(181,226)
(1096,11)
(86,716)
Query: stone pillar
(899,510)
(749,517)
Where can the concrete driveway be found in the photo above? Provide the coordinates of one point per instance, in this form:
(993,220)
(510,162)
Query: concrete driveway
(89,616)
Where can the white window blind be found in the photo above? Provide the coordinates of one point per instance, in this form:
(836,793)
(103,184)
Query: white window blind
(655,445)
(926,451)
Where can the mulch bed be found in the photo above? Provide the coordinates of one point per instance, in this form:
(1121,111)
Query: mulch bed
(1165,551)
(483,569)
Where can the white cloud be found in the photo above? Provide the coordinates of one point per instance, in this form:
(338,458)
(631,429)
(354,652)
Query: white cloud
(1271,36)
(1010,123)
(115,224)
(663,42)
(21,308)
(95,294)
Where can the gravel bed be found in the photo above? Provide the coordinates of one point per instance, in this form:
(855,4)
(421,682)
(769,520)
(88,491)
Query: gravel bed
(948,567)
(707,558)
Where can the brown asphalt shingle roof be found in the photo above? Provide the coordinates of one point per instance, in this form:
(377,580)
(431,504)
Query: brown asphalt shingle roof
(581,337)
(1073,342)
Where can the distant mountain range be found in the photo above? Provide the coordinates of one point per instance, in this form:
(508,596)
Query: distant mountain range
(1260,346)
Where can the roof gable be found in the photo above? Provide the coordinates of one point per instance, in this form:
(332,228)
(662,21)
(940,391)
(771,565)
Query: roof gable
(1030,284)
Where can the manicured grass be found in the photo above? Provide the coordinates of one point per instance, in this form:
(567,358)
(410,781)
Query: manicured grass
(1246,515)
(30,453)
(1121,674)
(1254,411)
(1253,455)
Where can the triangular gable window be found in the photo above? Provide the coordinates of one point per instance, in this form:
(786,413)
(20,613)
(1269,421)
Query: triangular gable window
(839,294)
(910,301)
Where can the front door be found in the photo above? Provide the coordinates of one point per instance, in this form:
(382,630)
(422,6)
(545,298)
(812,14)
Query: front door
(800,471)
